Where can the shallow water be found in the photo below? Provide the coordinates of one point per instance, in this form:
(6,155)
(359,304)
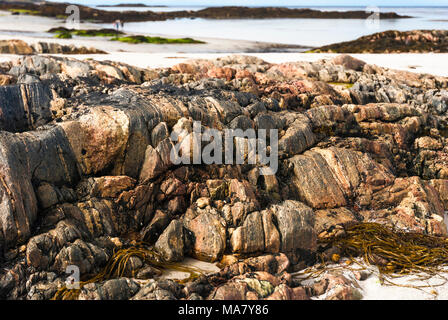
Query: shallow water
(203,267)
(307,32)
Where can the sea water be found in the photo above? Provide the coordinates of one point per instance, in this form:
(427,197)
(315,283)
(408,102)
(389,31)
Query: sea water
(306,32)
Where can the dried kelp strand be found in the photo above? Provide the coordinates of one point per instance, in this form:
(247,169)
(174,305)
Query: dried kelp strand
(117,264)
(403,252)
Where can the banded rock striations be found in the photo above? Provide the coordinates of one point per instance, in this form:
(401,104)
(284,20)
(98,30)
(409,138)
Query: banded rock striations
(85,170)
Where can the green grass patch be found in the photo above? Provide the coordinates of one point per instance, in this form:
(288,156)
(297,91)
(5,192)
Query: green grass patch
(155,40)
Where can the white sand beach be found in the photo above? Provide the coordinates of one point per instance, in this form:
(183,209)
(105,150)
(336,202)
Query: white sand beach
(33,29)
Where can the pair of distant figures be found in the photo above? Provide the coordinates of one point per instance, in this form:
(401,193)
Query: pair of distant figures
(118,24)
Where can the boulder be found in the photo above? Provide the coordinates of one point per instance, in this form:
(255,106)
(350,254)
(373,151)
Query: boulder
(170,244)
(349,62)
(209,233)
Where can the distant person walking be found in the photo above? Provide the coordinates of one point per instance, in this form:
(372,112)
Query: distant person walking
(117,25)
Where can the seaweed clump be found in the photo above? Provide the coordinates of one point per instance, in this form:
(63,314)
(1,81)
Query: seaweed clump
(117,266)
(393,250)
(155,40)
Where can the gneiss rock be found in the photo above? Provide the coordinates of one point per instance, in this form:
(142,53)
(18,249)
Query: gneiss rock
(25,107)
(115,289)
(21,47)
(393,42)
(209,231)
(86,170)
(349,62)
(15,47)
(171,243)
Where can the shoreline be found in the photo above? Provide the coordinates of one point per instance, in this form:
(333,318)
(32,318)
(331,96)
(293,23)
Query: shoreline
(52,9)
(166,55)
(10,29)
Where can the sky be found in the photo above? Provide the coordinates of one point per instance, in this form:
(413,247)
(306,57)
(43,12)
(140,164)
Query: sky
(270,2)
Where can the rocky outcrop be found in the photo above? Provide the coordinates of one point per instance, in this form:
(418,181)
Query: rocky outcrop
(393,41)
(15,47)
(85,152)
(23,48)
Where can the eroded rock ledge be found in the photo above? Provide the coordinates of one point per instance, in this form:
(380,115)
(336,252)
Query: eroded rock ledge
(85,169)
(23,48)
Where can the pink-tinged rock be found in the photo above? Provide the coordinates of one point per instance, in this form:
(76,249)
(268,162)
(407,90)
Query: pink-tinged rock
(242,191)
(348,62)
(298,137)
(184,68)
(209,232)
(222,73)
(326,178)
(265,263)
(177,205)
(250,295)
(283,262)
(98,138)
(172,187)
(416,206)
(283,292)
(230,291)
(265,276)
(244,74)
(152,165)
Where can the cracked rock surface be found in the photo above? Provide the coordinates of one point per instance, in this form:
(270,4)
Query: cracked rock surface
(85,169)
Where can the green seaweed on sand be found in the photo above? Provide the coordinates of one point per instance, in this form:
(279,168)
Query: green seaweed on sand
(96,33)
(116,35)
(117,265)
(87,32)
(63,35)
(24,11)
(155,40)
